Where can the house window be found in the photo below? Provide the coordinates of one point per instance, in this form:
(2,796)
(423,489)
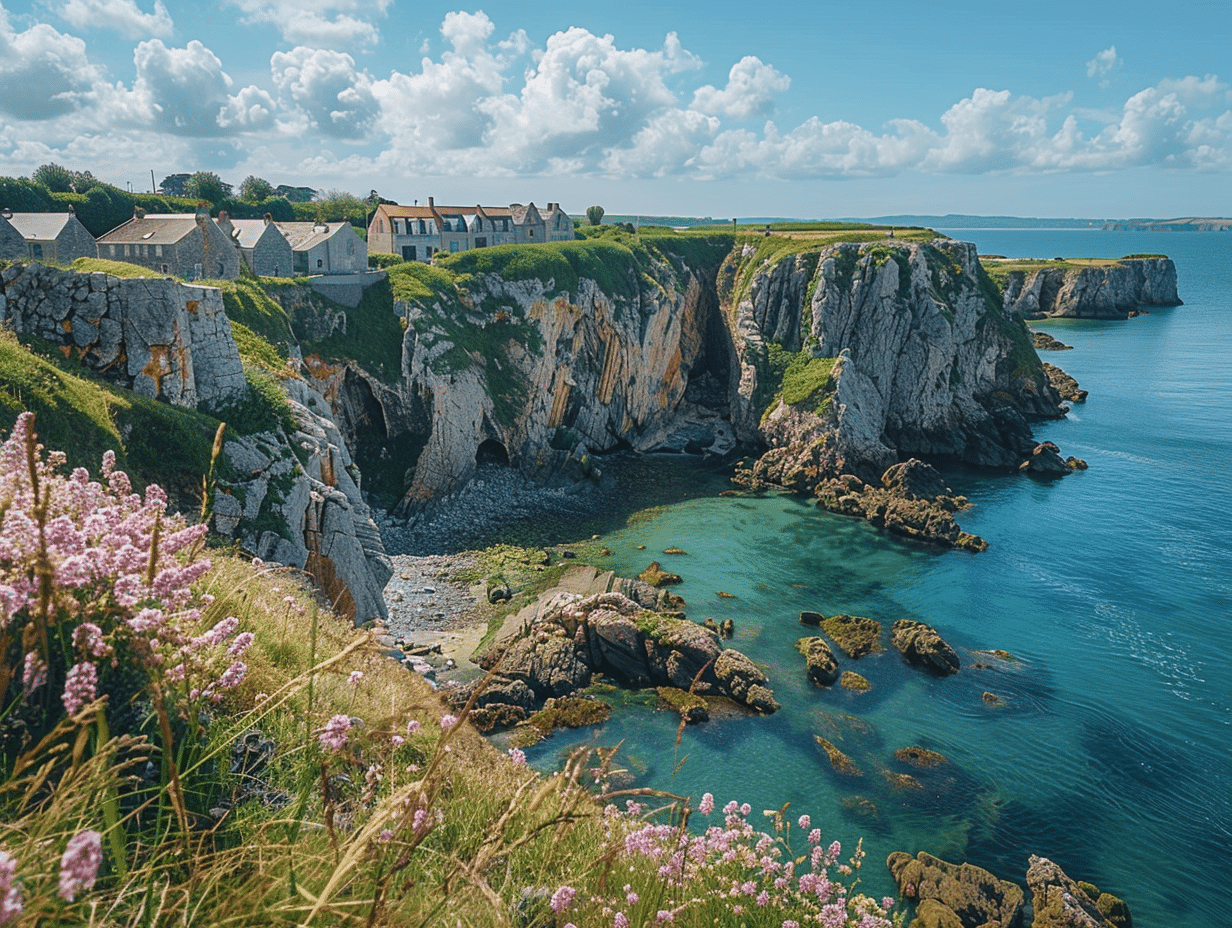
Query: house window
(320,263)
(453,246)
(408,253)
(36,250)
(165,269)
(481,241)
(530,233)
(158,251)
(113,251)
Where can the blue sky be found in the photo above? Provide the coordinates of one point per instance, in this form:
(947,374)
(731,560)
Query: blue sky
(718,108)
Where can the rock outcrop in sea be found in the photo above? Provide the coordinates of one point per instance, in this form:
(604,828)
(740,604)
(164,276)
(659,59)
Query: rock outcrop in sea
(1091,290)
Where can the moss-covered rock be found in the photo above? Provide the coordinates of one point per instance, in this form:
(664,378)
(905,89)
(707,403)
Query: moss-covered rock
(821,667)
(921,757)
(850,680)
(855,634)
(657,577)
(922,647)
(971,894)
(691,707)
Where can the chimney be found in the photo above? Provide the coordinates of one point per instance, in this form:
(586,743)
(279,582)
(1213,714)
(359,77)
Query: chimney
(6,213)
(269,217)
(203,212)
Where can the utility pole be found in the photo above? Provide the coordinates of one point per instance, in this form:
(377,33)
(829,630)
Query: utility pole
(153,186)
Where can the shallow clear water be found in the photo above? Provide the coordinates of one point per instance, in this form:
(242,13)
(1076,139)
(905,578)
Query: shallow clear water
(1112,754)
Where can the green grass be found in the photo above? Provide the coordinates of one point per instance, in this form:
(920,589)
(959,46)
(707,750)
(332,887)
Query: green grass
(248,302)
(373,336)
(114,268)
(808,380)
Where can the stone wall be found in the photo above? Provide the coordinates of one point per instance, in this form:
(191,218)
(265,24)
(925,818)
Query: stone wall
(160,338)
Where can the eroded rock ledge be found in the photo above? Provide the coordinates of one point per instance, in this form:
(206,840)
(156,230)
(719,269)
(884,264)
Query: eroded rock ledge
(597,624)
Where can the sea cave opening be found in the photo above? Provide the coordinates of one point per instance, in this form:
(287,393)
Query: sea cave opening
(491,451)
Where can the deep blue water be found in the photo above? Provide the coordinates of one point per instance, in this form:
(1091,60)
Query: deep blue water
(1113,752)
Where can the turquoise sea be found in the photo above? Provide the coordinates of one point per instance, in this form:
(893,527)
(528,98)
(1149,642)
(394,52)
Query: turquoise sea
(1112,588)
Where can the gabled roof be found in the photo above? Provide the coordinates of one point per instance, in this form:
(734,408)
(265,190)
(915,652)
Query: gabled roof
(40,227)
(153,229)
(249,231)
(306,235)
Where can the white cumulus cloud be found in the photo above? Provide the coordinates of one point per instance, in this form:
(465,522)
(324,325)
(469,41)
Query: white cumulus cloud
(43,73)
(319,23)
(328,89)
(1103,64)
(124,16)
(750,91)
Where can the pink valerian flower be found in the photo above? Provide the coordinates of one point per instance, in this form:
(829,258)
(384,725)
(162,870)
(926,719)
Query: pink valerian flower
(412,726)
(219,633)
(706,806)
(448,721)
(804,822)
(355,677)
(233,676)
(663,915)
(88,638)
(420,820)
(397,740)
(80,687)
(620,921)
(385,836)
(242,643)
(80,862)
(10,892)
(562,899)
(333,737)
(34,674)
(517,757)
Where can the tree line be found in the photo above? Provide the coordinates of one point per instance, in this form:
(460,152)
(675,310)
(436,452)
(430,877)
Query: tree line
(101,207)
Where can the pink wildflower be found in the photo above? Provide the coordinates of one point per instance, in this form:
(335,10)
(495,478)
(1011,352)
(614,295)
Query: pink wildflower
(333,736)
(385,836)
(89,638)
(620,921)
(562,899)
(706,806)
(80,686)
(517,757)
(233,676)
(419,821)
(79,865)
(791,923)
(804,822)
(631,898)
(242,643)
(663,915)
(10,893)
(355,677)
(448,721)
(763,898)
(34,674)
(815,836)
(412,726)
(397,740)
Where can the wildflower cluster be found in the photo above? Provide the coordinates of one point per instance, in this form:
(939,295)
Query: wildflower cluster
(78,870)
(96,594)
(733,870)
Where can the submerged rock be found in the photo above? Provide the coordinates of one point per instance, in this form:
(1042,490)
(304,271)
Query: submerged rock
(852,681)
(838,760)
(1064,384)
(956,894)
(921,757)
(922,647)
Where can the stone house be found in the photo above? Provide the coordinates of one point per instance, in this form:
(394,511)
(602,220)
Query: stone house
(185,245)
(262,246)
(58,238)
(12,243)
(416,233)
(325,248)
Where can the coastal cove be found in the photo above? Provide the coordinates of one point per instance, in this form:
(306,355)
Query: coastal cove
(1110,754)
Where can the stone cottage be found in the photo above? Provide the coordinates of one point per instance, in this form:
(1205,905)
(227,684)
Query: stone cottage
(12,243)
(325,247)
(262,246)
(185,245)
(416,233)
(58,238)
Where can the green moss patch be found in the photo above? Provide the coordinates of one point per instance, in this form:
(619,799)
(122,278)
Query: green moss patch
(855,634)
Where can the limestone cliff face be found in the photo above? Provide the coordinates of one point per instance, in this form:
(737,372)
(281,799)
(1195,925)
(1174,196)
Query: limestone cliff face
(289,497)
(1097,291)
(924,365)
(541,375)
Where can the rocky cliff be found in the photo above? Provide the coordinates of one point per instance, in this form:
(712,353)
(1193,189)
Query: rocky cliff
(286,489)
(1086,290)
(897,352)
(543,371)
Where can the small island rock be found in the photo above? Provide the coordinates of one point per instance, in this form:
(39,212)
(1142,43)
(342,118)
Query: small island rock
(922,647)
(969,893)
(821,666)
